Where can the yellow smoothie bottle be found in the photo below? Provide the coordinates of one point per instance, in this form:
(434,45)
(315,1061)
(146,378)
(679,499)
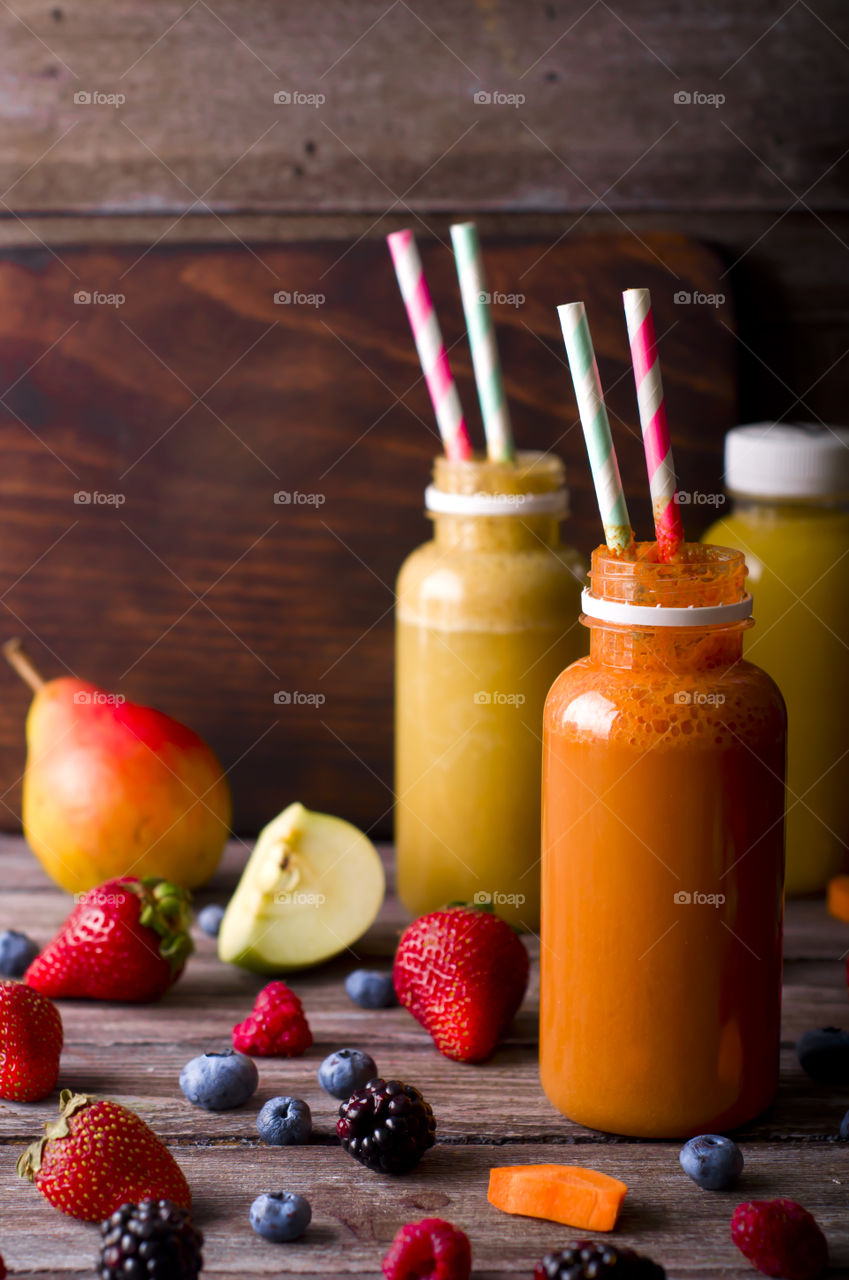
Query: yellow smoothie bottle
(789,487)
(487,617)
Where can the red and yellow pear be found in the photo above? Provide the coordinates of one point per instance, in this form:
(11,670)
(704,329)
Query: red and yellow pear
(113,788)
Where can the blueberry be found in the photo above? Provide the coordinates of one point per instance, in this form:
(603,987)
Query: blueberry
(209,919)
(824,1054)
(344,1071)
(844,1127)
(713,1162)
(370,989)
(17,953)
(280,1216)
(283,1122)
(219,1081)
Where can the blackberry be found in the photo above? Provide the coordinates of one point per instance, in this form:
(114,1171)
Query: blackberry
(387,1126)
(153,1239)
(585,1260)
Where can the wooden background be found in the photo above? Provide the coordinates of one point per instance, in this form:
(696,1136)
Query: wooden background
(582,136)
(194,589)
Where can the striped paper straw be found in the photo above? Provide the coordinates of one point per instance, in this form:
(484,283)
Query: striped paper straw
(664,499)
(494,408)
(428,338)
(618,533)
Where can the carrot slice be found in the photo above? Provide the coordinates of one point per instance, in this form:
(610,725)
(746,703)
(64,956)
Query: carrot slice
(838,897)
(566,1193)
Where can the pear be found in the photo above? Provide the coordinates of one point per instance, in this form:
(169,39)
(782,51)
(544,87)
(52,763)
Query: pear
(312,886)
(113,788)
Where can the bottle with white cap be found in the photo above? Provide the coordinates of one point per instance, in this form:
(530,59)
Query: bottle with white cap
(662,855)
(789,515)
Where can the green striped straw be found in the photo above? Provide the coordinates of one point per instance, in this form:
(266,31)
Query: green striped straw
(618,533)
(476,306)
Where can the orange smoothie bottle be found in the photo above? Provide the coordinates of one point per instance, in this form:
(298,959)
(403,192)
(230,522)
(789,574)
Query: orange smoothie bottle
(662,855)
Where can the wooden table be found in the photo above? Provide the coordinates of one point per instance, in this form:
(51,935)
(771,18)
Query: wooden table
(491,1114)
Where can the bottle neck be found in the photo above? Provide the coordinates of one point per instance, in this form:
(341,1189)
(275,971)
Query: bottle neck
(495,533)
(478,504)
(787,508)
(671,649)
(646,614)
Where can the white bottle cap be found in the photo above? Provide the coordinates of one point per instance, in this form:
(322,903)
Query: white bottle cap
(787,460)
(637,615)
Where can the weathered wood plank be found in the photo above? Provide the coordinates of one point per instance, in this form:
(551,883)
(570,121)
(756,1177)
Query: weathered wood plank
(814,994)
(802,251)
(143,1074)
(399,121)
(356,1213)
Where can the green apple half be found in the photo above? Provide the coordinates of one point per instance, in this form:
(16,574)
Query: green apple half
(312,886)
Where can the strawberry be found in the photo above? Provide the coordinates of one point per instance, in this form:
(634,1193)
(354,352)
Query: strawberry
(277,1028)
(99,1155)
(126,940)
(780,1238)
(31,1039)
(462,973)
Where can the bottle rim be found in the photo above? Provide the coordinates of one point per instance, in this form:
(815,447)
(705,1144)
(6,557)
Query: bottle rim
(640,615)
(554,503)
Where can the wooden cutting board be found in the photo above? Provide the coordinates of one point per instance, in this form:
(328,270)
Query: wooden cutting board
(155,401)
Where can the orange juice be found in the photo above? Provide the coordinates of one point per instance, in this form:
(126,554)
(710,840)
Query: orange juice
(663,804)
(486,618)
(790,486)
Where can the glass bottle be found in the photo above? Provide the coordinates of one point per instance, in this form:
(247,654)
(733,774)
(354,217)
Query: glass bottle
(790,518)
(662,864)
(486,618)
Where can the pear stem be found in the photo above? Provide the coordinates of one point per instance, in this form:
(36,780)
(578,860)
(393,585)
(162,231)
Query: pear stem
(17,657)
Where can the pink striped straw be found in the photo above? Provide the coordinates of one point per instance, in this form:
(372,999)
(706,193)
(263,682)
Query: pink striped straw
(430,346)
(664,497)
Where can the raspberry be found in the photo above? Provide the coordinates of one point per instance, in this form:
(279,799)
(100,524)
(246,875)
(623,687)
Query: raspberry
(153,1239)
(585,1260)
(277,1028)
(429,1250)
(273,994)
(387,1126)
(780,1238)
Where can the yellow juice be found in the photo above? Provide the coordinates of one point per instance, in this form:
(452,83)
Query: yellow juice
(487,617)
(797,554)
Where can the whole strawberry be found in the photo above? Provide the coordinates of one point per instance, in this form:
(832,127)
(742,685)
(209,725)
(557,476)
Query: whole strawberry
(462,973)
(126,940)
(98,1156)
(780,1238)
(277,1028)
(31,1040)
